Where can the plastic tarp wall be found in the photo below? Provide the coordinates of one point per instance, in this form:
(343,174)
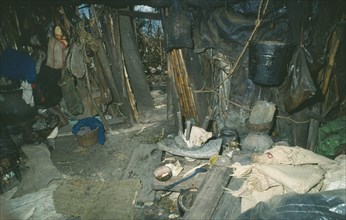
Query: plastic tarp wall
(220,34)
(223,32)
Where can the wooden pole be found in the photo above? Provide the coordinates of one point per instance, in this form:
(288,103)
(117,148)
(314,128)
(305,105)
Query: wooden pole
(335,41)
(331,60)
(100,113)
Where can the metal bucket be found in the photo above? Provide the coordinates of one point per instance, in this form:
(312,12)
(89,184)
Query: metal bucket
(268,62)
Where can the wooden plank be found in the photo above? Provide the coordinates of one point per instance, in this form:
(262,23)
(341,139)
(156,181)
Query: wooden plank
(110,36)
(134,65)
(105,68)
(142,165)
(229,206)
(210,193)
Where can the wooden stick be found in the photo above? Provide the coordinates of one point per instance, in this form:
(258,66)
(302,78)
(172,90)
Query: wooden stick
(331,60)
(177,72)
(188,100)
(100,113)
(130,95)
(187,84)
(313,128)
(175,76)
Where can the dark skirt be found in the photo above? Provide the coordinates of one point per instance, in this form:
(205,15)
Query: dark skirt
(48,92)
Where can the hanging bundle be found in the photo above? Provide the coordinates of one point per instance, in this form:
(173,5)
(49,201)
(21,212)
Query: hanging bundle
(301,84)
(178,28)
(71,96)
(74,60)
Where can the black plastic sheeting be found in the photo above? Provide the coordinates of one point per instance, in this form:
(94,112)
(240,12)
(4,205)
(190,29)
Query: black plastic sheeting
(300,83)
(228,28)
(13,108)
(9,157)
(304,25)
(329,205)
(178,32)
(7,146)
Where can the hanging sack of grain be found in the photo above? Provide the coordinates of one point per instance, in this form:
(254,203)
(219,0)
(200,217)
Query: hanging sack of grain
(57,50)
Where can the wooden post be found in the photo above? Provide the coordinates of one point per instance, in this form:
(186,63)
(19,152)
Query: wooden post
(313,128)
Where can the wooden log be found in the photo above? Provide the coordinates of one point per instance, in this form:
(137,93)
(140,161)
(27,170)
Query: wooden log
(210,193)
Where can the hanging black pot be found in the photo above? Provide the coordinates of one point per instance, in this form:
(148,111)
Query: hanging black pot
(268,61)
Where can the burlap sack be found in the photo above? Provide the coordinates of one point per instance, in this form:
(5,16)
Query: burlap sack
(56,54)
(290,155)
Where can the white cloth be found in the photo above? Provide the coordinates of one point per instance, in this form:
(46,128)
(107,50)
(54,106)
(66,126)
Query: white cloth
(27,93)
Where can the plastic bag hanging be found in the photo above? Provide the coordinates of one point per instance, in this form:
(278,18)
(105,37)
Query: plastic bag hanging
(178,32)
(301,85)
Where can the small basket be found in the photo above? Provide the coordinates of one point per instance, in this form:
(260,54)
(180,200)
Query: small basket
(88,139)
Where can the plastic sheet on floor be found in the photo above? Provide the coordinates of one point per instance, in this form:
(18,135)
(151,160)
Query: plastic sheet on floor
(37,205)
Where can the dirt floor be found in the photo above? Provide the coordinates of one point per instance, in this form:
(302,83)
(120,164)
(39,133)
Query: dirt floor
(113,161)
(109,162)
(112,158)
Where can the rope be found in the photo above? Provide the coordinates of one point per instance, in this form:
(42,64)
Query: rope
(292,120)
(203,90)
